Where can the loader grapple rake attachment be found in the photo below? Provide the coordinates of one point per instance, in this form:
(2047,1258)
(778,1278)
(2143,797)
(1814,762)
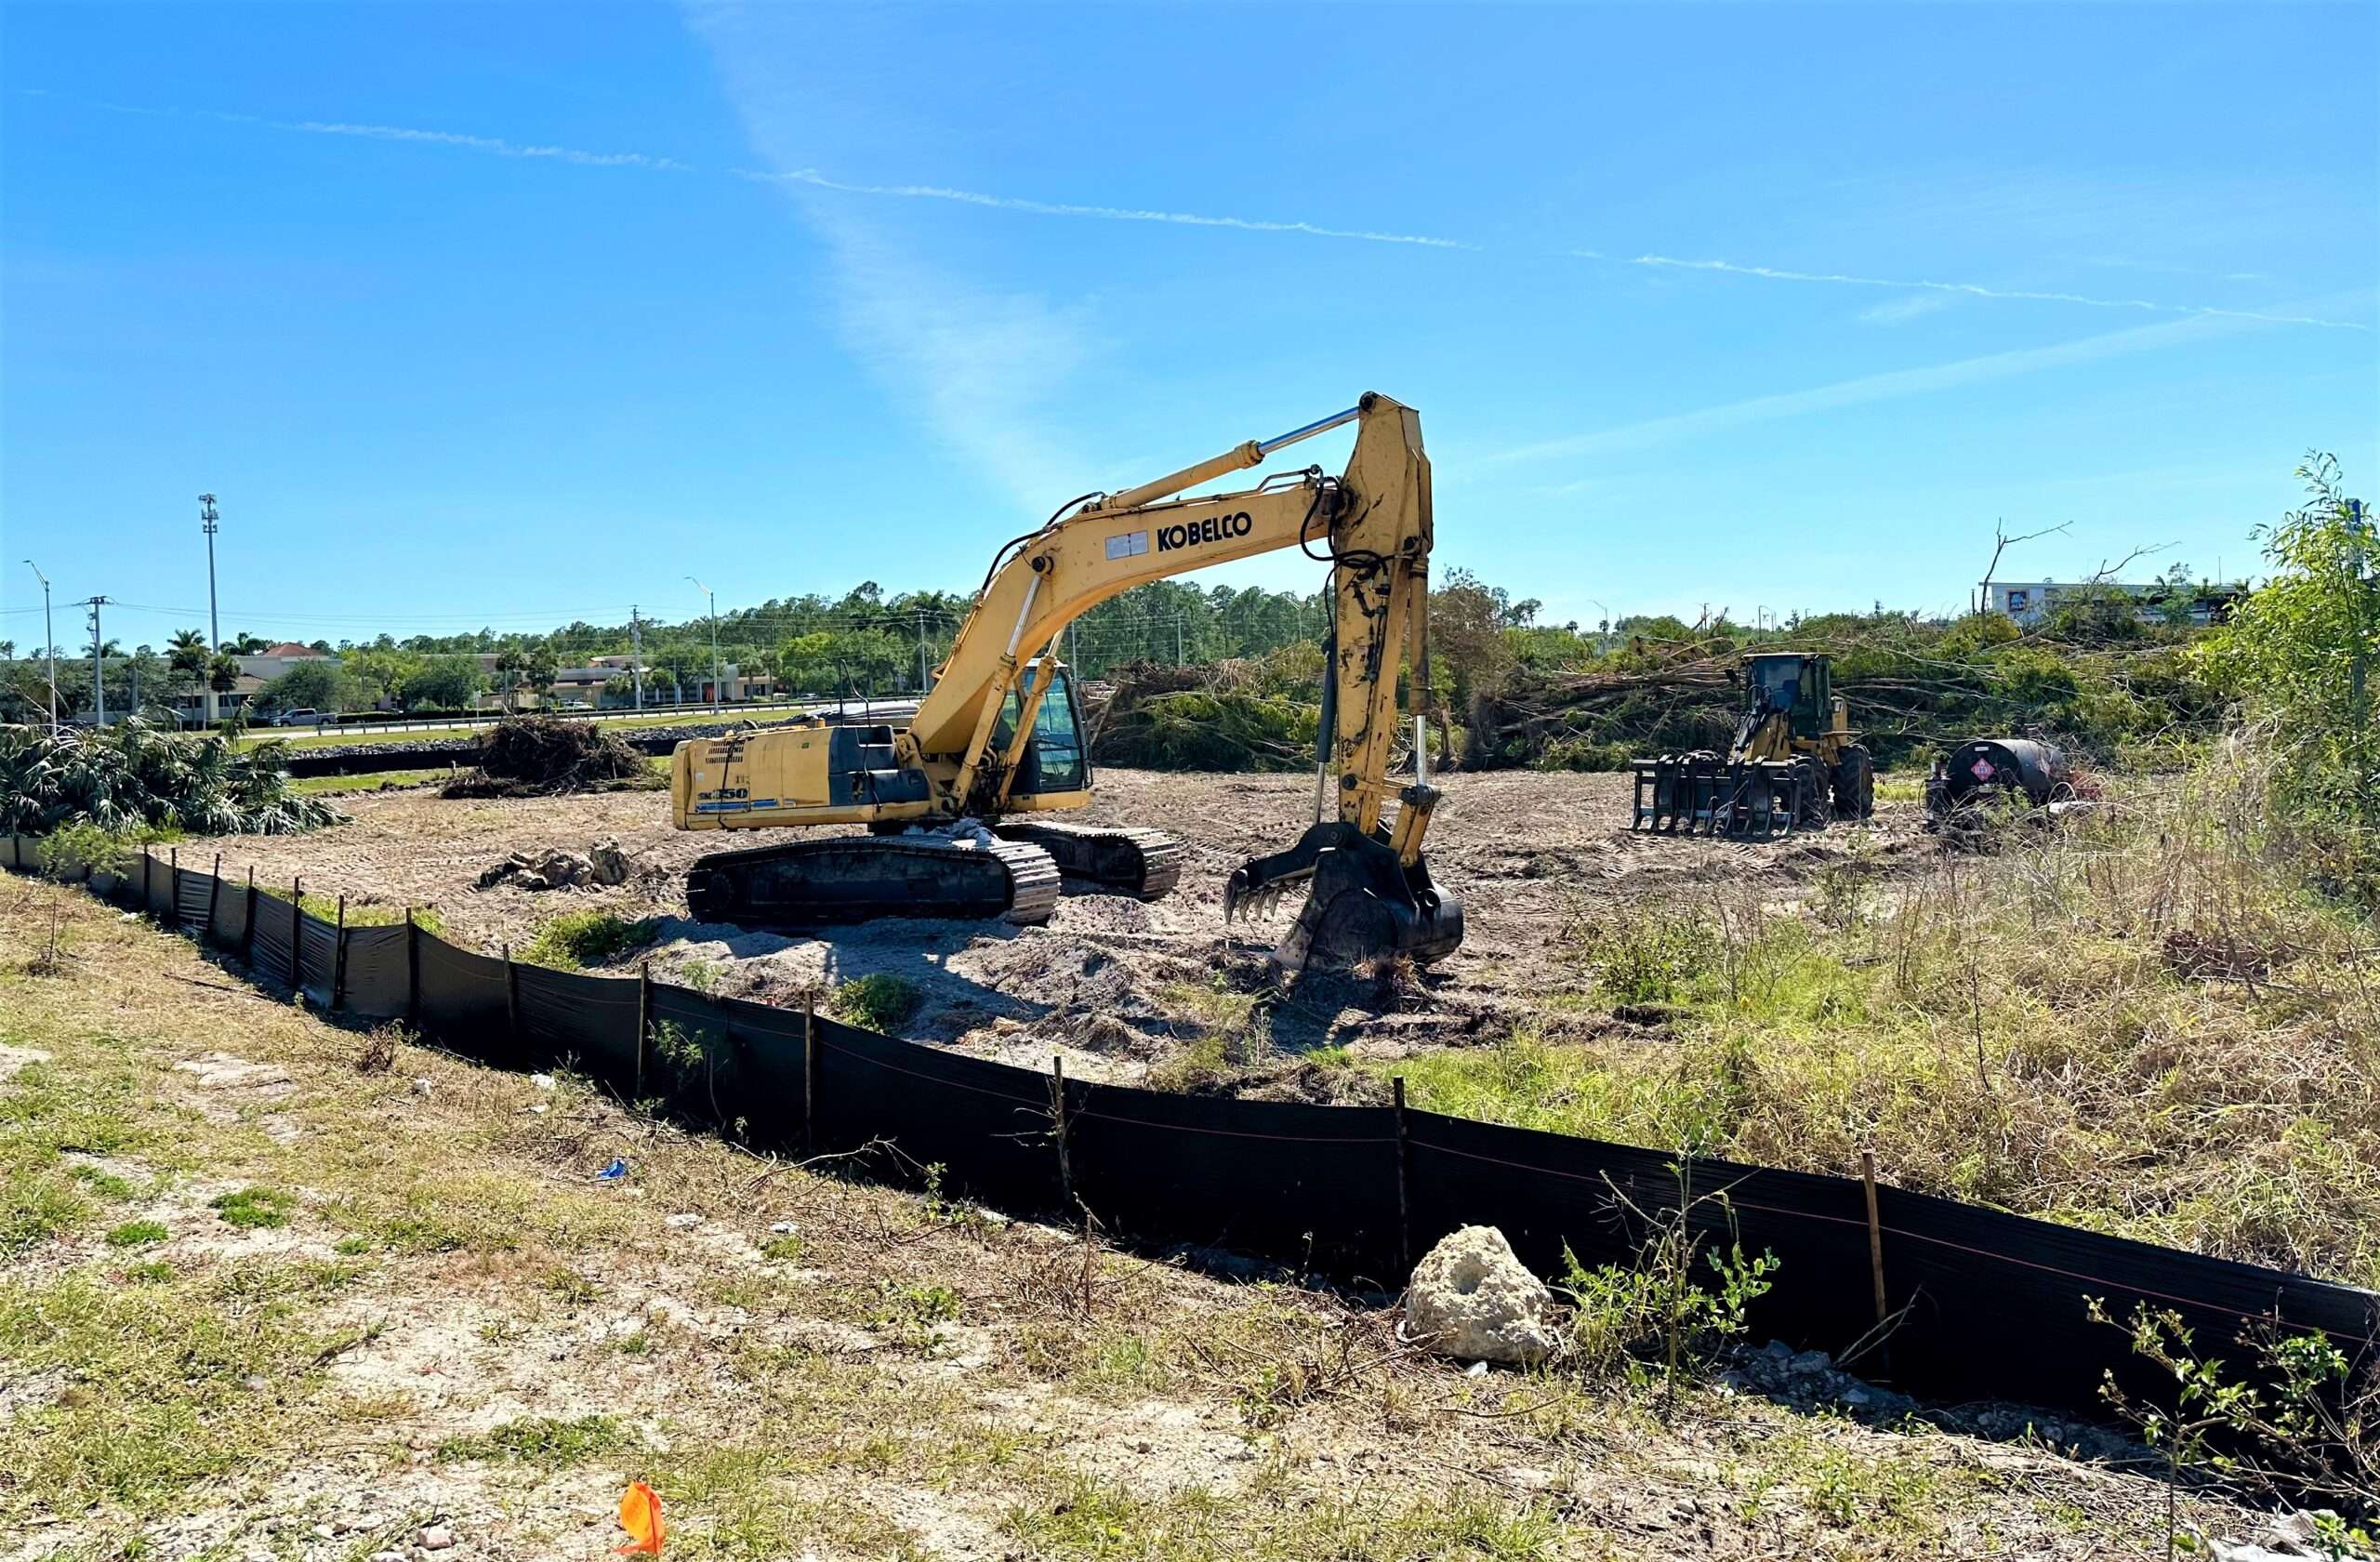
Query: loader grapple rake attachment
(1704,794)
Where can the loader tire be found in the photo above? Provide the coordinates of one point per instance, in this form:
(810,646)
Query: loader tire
(1855,784)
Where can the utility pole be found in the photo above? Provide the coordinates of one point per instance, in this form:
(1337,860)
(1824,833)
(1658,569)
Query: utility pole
(99,663)
(50,644)
(636,653)
(714,641)
(922,652)
(214,627)
(1177,641)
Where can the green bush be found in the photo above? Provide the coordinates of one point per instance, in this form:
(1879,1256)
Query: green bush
(72,850)
(578,939)
(879,1002)
(1648,957)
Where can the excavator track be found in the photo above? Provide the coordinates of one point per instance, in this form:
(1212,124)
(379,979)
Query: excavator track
(859,878)
(1137,862)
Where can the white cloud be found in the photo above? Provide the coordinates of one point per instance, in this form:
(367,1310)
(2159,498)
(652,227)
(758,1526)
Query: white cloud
(975,365)
(1874,388)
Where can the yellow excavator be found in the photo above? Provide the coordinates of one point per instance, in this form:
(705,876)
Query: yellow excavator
(957,801)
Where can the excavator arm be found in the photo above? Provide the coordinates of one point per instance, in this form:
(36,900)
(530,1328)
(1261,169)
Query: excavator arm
(1372,525)
(1369,893)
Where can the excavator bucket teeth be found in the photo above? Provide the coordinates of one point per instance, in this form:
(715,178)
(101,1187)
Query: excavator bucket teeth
(1362,905)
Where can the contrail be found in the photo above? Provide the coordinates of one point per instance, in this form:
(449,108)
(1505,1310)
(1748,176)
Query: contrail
(496,146)
(1110,213)
(1974,290)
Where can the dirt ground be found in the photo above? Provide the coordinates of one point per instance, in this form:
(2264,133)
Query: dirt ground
(464,1355)
(1112,983)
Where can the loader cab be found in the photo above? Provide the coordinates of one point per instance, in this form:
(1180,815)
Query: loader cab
(1057,760)
(1795,681)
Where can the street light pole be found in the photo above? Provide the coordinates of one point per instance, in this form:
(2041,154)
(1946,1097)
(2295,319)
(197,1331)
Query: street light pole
(50,644)
(98,664)
(714,641)
(214,627)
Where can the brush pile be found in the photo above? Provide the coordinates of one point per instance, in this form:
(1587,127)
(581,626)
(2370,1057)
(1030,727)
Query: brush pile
(1229,716)
(131,777)
(1908,700)
(545,756)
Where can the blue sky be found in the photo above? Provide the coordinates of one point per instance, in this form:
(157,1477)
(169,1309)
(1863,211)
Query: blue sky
(516,315)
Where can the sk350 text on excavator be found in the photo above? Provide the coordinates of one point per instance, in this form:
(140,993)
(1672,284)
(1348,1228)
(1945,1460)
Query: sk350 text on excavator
(956,802)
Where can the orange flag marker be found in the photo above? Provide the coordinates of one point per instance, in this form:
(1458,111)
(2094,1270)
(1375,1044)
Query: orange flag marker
(640,1516)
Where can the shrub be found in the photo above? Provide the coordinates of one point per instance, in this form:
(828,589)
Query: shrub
(878,1002)
(1648,957)
(578,939)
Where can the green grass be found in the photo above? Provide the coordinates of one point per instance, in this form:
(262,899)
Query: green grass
(137,1234)
(578,939)
(878,1002)
(367,781)
(542,1441)
(255,1207)
(360,913)
(2018,1032)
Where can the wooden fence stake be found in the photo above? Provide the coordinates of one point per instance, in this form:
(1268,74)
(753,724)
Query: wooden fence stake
(1875,1230)
(249,924)
(1404,1180)
(413,973)
(338,956)
(1058,1118)
(148,861)
(297,944)
(643,1023)
(173,888)
(810,1073)
(1876,1254)
(214,893)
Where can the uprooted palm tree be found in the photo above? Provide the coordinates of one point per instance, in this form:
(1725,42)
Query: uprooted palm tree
(132,775)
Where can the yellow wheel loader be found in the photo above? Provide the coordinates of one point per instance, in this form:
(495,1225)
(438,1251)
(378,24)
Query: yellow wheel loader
(1794,762)
(958,800)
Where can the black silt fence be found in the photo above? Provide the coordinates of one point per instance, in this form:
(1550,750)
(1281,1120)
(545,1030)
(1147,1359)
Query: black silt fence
(1992,1304)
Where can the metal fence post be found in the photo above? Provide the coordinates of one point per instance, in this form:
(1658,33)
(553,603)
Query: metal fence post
(810,1073)
(339,956)
(1404,1179)
(1058,1121)
(644,1024)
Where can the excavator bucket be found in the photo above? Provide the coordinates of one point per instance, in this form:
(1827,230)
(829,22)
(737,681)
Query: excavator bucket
(1703,794)
(1362,905)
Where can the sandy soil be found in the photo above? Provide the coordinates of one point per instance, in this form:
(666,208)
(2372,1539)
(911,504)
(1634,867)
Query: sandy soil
(1111,982)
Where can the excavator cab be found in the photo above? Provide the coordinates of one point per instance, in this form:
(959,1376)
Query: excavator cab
(1054,770)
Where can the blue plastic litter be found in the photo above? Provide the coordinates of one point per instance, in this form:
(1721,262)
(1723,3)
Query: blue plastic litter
(613,1172)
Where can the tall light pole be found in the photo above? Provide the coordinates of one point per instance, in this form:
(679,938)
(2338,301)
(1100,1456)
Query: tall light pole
(50,644)
(214,629)
(714,640)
